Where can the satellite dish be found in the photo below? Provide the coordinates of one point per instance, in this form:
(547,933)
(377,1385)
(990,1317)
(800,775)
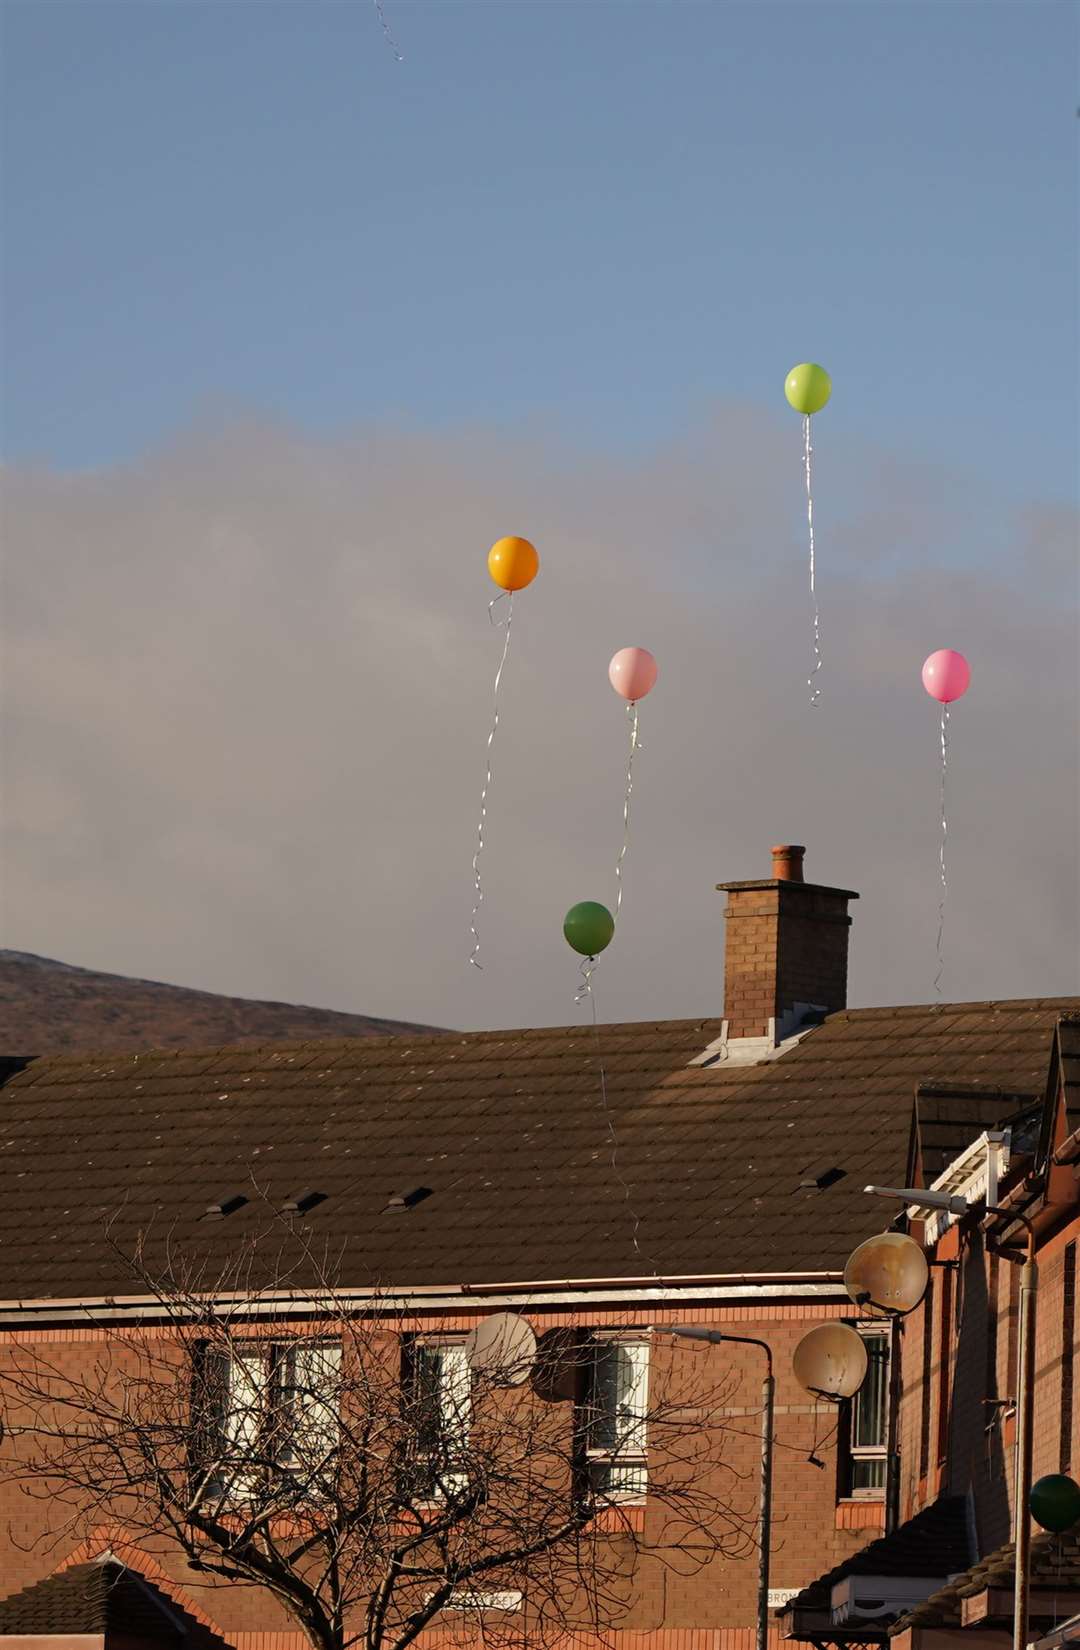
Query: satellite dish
(888,1274)
(831,1361)
(560,1358)
(503,1348)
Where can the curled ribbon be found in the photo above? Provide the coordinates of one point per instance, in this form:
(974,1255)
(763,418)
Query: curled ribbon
(944,834)
(815,692)
(499,625)
(587,969)
(635,745)
(586,990)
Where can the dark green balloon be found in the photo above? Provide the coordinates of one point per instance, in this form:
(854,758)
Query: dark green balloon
(1055,1502)
(588,927)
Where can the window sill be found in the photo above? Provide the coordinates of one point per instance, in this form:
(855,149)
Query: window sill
(622,1517)
(857,1513)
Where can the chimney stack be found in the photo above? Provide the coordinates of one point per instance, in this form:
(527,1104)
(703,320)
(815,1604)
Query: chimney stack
(786,949)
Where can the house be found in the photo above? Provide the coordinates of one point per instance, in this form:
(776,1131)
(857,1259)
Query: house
(944,1578)
(608,1185)
(101,1606)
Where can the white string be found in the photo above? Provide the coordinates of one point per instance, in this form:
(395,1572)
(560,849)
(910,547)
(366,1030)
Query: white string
(632,716)
(815,692)
(588,966)
(487,776)
(586,989)
(944,834)
(384,25)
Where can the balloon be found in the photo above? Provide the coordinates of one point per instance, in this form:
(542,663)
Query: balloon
(946,675)
(632,672)
(1055,1502)
(513,563)
(808,387)
(588,928)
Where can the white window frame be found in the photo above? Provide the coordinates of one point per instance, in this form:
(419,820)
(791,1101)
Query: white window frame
(858,1453)
(616,1421)
(251,1387)
(452,1389)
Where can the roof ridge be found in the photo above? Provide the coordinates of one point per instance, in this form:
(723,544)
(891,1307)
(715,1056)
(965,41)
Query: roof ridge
(424,1035)
(1067,1008)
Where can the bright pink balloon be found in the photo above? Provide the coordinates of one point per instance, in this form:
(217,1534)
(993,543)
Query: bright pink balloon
(633,672)
(946,675)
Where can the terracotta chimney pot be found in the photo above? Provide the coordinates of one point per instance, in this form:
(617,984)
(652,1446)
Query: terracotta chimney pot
(787,862)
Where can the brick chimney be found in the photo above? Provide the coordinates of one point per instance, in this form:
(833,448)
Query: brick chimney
(786,949)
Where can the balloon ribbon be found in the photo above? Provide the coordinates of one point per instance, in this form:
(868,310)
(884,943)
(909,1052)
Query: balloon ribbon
(586,990)
(474,957)
(632,718)
(588,966)
(944,834)
(380,13)
(815,692)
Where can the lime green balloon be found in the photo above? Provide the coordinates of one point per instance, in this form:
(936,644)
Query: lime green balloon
(808,387)
(588,927)
(1055,1502)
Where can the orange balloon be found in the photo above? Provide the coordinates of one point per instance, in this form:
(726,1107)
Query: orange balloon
(513,563)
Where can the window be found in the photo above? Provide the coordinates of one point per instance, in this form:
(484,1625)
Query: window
(438,1394)
(308,1382)
(868,1426)
(269,1418)
(617,1399)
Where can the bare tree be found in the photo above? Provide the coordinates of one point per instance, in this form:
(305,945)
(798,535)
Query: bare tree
(349,1461)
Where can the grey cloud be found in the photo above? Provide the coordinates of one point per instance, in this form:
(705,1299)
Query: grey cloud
(248,685)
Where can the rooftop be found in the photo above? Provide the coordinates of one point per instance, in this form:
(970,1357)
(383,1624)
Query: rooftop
(1055,1584)
(104,1598)
(511,1134)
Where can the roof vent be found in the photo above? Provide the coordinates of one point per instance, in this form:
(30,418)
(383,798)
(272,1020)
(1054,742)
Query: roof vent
(818,1180)
(302,1202)
(224,1206)
(398,1202)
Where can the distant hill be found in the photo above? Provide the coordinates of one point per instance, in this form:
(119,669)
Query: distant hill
(49,1007)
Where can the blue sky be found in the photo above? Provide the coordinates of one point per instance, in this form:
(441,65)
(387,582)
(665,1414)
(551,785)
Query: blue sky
(315,326)
(598,218)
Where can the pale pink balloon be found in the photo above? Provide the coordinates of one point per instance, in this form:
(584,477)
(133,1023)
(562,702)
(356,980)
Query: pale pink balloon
(633,672)
(946,675)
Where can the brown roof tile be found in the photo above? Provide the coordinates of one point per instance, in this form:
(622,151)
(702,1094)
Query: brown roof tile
(948,1117)
(1069,1055)
(1055,1568)
(935,1542)
(103,1598)
(511,1129)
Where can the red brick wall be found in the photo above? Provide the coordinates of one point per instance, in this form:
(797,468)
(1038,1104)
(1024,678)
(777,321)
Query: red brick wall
(812,1530)
(785,943)
(750,954)
(977,1348)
